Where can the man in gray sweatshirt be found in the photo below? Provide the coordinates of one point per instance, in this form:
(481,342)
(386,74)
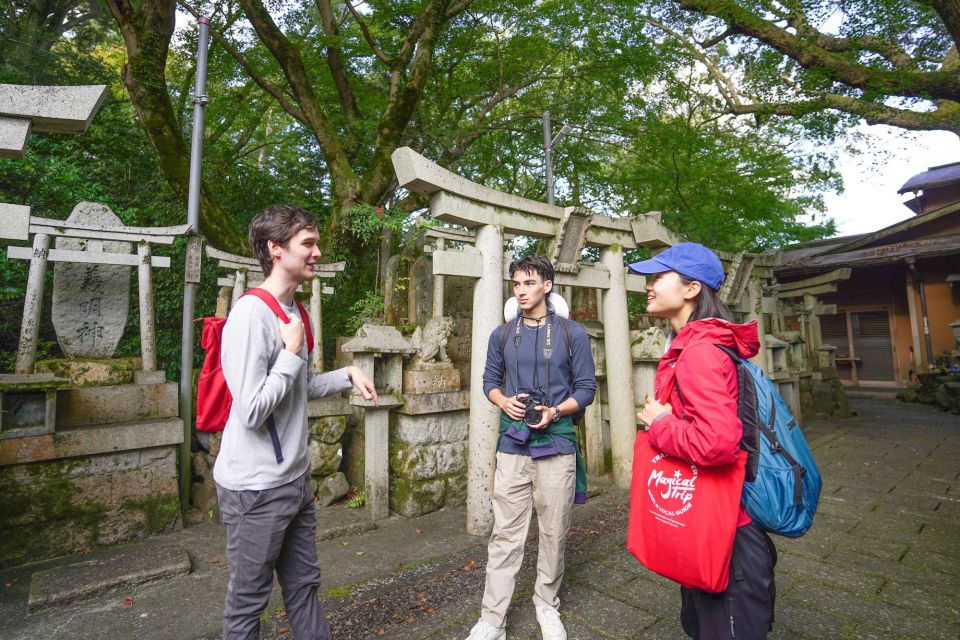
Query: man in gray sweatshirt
(266,498)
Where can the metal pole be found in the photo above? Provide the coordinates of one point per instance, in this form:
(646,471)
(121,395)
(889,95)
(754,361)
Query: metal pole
(912,265)
(548,155)
(192,271)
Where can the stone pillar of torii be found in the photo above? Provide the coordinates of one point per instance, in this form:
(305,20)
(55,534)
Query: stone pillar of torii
(487,215)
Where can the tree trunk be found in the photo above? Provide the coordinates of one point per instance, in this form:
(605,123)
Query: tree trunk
(146,31)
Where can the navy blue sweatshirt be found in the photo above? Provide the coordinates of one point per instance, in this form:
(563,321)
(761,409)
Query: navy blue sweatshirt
(579,383)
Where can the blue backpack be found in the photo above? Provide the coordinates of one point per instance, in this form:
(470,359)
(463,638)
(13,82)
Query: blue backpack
(782,484)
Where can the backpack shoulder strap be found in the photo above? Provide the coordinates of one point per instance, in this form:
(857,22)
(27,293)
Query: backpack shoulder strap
(270,301)
(274,305)
(306,326)
(730,351)
(565,325)
(503,336)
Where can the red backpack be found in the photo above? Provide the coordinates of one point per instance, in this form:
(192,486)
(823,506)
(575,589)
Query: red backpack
(213,396)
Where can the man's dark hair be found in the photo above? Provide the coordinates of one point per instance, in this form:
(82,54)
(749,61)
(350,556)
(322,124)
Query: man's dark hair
(278,222)
(708,304)
(533,264)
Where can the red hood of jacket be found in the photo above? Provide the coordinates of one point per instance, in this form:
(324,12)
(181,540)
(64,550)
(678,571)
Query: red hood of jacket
(742,337)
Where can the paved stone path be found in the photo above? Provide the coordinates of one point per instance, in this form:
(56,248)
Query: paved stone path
(882,561)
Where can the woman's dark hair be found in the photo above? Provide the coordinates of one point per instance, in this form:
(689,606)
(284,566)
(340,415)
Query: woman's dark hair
(708,304)
(278,222)
(533,264)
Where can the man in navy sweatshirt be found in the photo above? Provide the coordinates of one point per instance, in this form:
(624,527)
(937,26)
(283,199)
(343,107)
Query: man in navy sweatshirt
(541,356)
(266,498)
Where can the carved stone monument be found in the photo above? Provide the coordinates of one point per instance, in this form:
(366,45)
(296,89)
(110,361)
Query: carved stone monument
(90,300)
(430,369)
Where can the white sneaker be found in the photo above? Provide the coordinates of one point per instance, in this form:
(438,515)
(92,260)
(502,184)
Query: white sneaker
(550,625)
(483,630)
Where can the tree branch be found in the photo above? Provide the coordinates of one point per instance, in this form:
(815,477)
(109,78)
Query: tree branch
(377,51)
(335,63)
(248,69)
(346,185)
(945,117)
(935,84)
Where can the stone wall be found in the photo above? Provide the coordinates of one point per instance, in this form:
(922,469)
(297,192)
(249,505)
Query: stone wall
(106,473)
(428,453)
(59,507)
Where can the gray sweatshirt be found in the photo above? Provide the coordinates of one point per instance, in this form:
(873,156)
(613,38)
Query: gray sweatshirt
(265,378)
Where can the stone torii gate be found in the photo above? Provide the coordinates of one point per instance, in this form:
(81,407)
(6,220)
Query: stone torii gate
(488,214)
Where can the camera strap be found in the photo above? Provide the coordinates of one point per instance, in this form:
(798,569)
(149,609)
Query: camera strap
(547,352)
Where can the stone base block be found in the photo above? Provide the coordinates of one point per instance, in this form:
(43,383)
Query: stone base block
(76,505)
(411,498)
(149,377)
(90,372)
(440,380)
(118,403)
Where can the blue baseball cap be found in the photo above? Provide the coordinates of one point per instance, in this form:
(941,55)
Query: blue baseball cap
(688,259)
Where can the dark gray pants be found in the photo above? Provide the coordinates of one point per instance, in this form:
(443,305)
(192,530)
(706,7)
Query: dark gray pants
(745,610)
(267,530)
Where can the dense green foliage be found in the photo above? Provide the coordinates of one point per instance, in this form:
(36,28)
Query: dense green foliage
(308,100)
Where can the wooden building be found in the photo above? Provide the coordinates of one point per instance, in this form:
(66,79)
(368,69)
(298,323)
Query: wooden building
(894,314)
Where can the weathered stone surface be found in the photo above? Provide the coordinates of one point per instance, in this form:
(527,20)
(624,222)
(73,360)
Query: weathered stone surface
(417,463)
(87,372)
(373,338)
(58,507)
(394,303)
(416,497)
(91,301)
(149,377)
(420,404)
(14,221)
(118,403)
(451,458)
(118,568)
(456,492)
(354,461)
(420,291)
(329,406)
(647,344)
(431,381)
(71,443)
(456,427)
(14,134)
(53,109)
(324,458)
(332,489)
(416,430)
(330,429)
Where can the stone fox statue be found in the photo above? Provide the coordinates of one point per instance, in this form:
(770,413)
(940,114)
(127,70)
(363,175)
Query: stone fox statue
(431,341)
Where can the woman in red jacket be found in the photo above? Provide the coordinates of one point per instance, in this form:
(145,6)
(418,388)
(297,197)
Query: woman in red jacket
(692,415)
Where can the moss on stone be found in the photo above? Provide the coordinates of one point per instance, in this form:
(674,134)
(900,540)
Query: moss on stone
(160,511)
(39,518)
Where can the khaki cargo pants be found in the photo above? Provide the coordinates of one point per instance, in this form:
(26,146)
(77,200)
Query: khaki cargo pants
(520,485)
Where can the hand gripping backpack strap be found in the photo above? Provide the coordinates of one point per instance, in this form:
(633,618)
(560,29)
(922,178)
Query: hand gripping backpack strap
(271,302)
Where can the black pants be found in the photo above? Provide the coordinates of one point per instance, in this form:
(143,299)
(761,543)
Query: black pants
(745,610)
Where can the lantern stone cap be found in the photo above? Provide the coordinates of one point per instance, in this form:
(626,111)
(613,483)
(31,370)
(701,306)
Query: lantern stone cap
(373,338)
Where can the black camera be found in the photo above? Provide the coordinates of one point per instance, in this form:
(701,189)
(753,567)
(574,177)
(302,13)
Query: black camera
(531,401)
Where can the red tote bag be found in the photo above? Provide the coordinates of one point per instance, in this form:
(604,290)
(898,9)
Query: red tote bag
(683,517)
